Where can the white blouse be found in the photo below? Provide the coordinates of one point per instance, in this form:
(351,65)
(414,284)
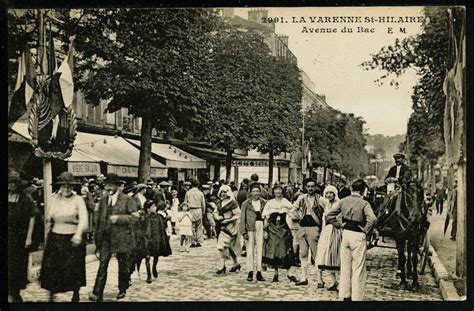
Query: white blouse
(68,215)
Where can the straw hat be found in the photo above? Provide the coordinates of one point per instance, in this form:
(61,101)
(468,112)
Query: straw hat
(66,178)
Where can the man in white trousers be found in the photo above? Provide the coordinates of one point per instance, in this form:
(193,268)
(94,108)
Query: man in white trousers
(251,228)
(357,220)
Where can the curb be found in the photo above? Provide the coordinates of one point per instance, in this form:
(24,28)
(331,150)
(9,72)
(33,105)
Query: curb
(441,275)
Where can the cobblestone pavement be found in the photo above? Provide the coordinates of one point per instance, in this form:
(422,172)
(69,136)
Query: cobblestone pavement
(191,277)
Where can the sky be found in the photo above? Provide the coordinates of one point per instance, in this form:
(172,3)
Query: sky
(332,61)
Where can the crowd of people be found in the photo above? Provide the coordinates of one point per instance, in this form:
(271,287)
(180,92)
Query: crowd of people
(286,227)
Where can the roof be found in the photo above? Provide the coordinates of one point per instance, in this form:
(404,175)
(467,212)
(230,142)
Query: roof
(173,156)
(239,21)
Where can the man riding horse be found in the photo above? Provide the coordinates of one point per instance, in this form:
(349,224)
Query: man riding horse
(399,174)
(402,212)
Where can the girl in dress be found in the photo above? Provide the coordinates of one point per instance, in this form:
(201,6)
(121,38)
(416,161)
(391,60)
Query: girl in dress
(157,236)
(228,215)
(185,227)
(64,268)
(174,209)
(328,256)
(278,250)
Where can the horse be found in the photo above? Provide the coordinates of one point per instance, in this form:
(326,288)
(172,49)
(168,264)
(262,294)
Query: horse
(403,213)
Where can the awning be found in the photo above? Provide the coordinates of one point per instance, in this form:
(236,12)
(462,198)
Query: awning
(209,153)
(121,157)
(173,157)
(91,149)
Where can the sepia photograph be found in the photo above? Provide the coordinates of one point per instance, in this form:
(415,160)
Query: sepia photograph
(237,154)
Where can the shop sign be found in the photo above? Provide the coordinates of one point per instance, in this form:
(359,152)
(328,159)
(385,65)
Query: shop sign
(83,168)
(132,171)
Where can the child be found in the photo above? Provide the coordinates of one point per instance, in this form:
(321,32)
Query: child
(173,212)
(210,208)
(158,237)
(185,227)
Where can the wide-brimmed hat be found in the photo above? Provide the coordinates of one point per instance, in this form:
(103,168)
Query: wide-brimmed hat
(187,183)
(150,182)
(66,178)
(14,176)
(399,155)
(206,186)
(140,187)
(164,183)
(278,185)
(39,183)
(112,179)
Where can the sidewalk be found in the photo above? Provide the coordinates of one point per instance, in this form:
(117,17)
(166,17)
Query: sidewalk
(445,248)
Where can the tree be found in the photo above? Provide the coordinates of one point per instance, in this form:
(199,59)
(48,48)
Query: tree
(337,141)
(279,117)
(429,54)
(237,76)
(149,61)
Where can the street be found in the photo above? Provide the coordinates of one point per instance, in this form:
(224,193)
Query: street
(191,277)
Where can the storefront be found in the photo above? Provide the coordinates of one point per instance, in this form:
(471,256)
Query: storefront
(181,165)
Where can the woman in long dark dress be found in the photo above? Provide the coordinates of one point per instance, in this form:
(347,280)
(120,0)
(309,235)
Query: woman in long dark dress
(64,267)
(21,221)
(157,236)
(278,249)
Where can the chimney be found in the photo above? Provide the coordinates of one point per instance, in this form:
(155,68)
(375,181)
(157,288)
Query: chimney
(260,16)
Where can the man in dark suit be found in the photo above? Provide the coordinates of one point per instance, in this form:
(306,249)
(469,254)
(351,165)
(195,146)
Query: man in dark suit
(113,234)
(398,174)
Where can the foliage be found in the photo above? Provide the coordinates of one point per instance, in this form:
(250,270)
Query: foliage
(235,74)
(279,114)
(430,55)
(337,141)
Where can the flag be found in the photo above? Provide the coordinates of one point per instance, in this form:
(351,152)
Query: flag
(65,79)
(52,64)
(24,88)
(454,89)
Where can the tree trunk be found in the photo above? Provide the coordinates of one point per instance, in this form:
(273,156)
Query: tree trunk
(270,168)
(144,162)
(324,174)
(228,164)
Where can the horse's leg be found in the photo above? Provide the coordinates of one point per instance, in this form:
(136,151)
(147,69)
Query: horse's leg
(401,243)
(409,260)
(413,246)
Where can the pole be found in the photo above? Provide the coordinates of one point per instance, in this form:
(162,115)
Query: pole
(303,170)
(48,192)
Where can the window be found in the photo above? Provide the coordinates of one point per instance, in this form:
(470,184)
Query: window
(119,115)
(110,118)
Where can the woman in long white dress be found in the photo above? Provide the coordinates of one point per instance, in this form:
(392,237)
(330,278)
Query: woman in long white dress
(328,256)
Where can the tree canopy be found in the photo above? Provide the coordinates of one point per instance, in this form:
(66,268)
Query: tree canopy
(337,141)
(430,55)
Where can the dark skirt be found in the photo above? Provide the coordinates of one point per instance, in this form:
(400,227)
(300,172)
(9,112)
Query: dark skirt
(278,249)
(17,265)
(158,241)
(64,265)
(141,242)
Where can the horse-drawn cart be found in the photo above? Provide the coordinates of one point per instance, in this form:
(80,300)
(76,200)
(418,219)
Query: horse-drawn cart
(403,217)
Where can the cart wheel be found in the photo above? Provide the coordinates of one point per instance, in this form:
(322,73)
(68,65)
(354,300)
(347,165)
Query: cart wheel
(425,253)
